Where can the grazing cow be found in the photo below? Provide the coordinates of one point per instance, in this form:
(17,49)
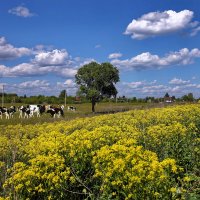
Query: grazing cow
(4,110)
(38,109)
(71,108)
(26,111)
(11,111)
(42,108)
(56,112)
(1,112)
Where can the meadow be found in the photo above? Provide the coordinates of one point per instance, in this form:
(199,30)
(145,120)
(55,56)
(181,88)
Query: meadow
(82,110)
(149,153)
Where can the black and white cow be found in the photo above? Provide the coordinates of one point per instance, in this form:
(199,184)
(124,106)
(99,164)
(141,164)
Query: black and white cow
(8,112)
(24,110)
(38,109)
(11,111)
(56,112)
(3,110)
(29,110)
(72,108)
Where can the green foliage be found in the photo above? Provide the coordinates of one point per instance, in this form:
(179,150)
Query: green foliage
(62,94)
(189,97)
(166,95)
(97,81)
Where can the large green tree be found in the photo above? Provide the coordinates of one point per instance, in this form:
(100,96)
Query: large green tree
(97,81)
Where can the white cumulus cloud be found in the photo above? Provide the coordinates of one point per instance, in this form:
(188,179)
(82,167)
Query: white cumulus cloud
(176,87)
(70,83)
(21,11)
(54,57)
(195,31)
(30,70)
(161,23)
(148,61)
(33,84)
(176,81)
(115,55)
(8,51)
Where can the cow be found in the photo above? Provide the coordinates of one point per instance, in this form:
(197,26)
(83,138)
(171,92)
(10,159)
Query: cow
(54,111)
(42,109)
(71,108)
(38,109)
(4,110)
(24,110)
(11,111)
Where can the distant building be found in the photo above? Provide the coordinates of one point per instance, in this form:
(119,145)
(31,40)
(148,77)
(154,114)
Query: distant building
(77,99)
(168,99)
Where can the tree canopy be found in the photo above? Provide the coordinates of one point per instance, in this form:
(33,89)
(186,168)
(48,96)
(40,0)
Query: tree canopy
(97,81)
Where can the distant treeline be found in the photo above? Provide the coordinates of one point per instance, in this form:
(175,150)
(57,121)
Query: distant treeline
(41,99)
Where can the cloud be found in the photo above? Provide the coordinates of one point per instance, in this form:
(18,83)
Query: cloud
(21,11)
(176,81)
(185,89)
(34,87)
(42,48)
(85,61)
(33,84)
(142,88)
(136,85)
(46,60)
(115,55)
(176,87)
(155,89)
(68,85)
(8,51)
(54,57)
(145,87)
(65,72)
(23,69)
(139,84)
(30,69)
(44,87)
(56,62)
(195,31)
(148,61)
(160,23)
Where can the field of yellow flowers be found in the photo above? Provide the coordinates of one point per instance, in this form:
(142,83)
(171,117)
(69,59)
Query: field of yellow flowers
(141,154)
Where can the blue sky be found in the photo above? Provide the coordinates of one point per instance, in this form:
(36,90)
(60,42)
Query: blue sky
(154,44)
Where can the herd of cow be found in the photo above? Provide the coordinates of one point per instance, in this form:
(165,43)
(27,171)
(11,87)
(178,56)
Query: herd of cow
(34,110)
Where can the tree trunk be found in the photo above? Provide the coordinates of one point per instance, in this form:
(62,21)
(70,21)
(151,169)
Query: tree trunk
(93,105)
